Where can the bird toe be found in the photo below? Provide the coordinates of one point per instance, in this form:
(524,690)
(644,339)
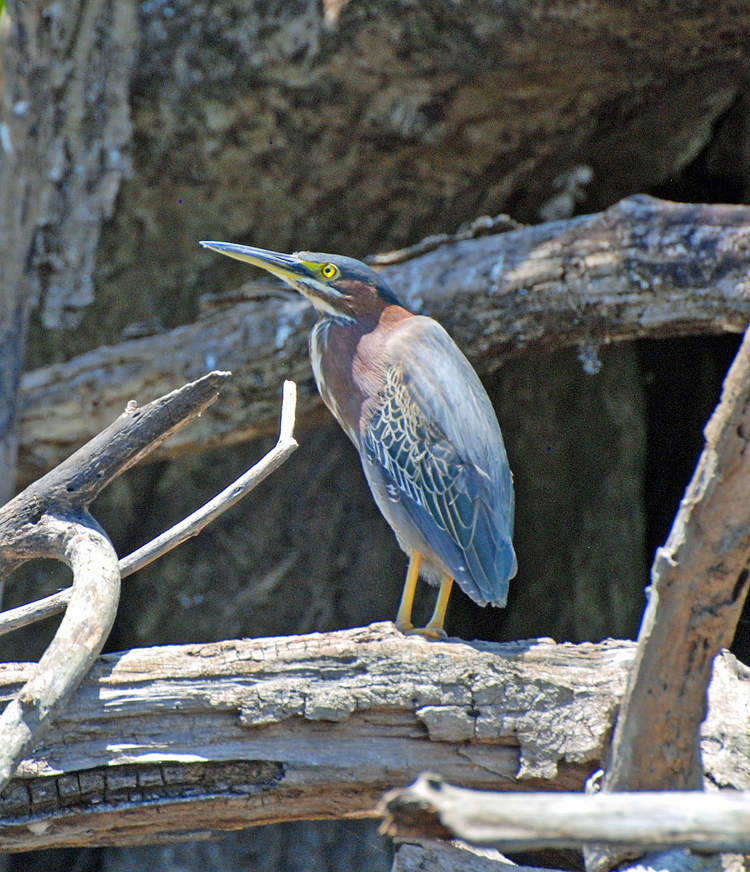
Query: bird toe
(430,632)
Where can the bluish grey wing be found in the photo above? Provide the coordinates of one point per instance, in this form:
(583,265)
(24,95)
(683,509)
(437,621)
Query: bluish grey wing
(445,385)
(450,499)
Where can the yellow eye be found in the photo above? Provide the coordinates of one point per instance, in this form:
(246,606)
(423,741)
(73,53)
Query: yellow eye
(329,271)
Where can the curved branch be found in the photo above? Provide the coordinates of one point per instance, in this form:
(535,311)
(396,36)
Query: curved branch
(14,619)
(79,638)
(50,519)
(69,488)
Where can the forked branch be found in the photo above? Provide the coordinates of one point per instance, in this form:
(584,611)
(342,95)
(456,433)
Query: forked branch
(51,519)
(14,619)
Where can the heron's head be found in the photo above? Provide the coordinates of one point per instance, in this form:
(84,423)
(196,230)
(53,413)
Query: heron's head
(338,287)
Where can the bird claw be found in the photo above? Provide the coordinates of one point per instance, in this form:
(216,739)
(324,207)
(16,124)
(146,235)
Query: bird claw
(428,631)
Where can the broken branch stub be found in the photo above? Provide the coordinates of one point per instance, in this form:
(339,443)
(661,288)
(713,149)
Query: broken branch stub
(524,821)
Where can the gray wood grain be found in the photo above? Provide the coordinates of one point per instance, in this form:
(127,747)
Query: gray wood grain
(184,741)
(643,268)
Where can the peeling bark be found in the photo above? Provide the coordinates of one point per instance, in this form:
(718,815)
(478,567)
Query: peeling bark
(180,742)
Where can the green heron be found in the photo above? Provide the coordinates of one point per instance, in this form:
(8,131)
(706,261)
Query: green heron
(423,425)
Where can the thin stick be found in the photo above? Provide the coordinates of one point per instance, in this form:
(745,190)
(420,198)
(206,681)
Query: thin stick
(191,526)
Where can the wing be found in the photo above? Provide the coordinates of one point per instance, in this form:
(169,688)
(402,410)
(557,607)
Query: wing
(439,449)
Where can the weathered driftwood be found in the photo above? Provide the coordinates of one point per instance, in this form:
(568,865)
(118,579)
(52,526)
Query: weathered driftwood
(51,519)
(642,268)
(699,584)
(22,616)
(708,822)
(179,742)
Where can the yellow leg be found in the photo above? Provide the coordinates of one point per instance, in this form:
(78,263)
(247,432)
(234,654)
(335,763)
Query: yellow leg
(403,618)
(434,627)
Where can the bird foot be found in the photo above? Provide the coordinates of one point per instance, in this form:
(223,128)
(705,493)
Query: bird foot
(431,632)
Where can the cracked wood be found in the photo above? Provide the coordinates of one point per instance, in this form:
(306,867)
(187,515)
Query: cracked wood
(185,741)
(643,268)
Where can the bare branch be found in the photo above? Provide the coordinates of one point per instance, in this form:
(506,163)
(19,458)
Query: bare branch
(186,740)
(50,518)
(24,615)
(69,488)
(77,642)
(193,524)
(517,821)
(699,581)
(633,271)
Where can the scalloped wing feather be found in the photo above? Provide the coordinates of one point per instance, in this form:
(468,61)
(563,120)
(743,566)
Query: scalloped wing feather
(453,476)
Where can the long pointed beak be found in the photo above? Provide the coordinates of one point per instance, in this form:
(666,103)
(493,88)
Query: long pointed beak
(285,266)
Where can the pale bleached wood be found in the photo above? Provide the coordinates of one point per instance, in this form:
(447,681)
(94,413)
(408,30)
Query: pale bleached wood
(633,271)
(51,519)
(69,488)
(22,616)
(702,821)
(179,742)
(77,642)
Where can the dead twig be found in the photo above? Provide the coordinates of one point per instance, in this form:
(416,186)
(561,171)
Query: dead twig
(521,821)
(51,519)
(14,619)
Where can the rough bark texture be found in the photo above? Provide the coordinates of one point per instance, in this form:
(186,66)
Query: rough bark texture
(265,127)
(632,272)
(26,127)
(61,163)
(185,741)
(699,583)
